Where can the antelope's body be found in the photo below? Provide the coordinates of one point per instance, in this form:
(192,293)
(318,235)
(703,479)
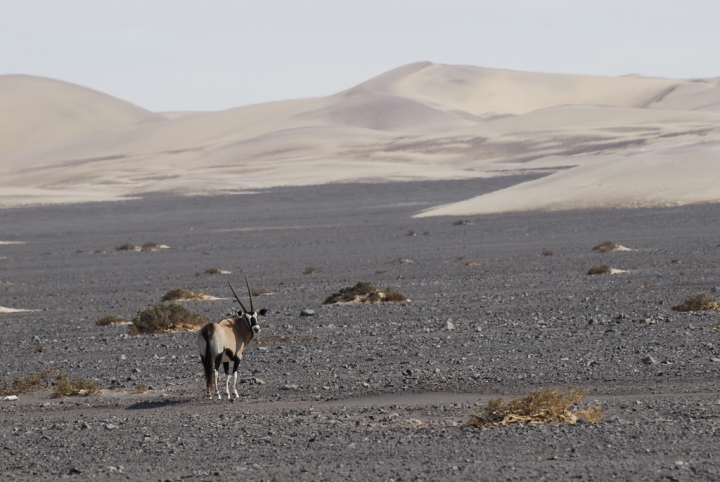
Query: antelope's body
(223,342)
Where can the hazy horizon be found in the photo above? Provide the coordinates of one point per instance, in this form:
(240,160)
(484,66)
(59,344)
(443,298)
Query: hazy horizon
(170,56)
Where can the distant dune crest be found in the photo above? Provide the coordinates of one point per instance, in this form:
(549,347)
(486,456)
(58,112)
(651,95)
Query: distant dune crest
(605,141)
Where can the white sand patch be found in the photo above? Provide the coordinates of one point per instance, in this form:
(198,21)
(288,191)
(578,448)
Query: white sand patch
(12,310)
(617,271)
(12,242)
(199,298)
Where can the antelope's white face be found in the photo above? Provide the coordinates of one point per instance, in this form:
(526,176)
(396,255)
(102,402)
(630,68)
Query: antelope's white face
(252,319)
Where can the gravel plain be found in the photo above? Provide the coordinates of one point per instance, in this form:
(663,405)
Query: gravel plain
(366,391)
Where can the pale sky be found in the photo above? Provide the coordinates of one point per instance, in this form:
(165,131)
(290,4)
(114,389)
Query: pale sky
(215,54)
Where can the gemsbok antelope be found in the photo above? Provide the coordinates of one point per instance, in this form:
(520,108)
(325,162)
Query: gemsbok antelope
(221,342)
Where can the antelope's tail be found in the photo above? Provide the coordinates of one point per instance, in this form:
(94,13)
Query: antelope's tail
(207,360)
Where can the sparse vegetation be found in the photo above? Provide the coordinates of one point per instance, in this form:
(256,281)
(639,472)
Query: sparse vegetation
(166,318)
(274,339)
(28,382)
(306,340)
(676,261)
(140,388)
(401,261)
(128,247)
(601,269)
(426,233)
(111,320)
(698,302)
(473,262)
(411,232)
(180,294)
(548,252)
(540,406)
(311,270)
(380,271)
(462,222)
(260,292)
(644,285)
(150,246)
(606,246)
(145,247)
(77,387)
(212,271)
(36,349)
(364,292)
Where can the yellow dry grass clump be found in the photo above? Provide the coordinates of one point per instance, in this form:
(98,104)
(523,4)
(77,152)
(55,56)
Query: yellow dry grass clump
(364,292)
(28,382)
(698,302)
(77,387)
(180,294)
(161,318)
(602,269)
(540,406)
(111,320)
(607,246)
(44,379)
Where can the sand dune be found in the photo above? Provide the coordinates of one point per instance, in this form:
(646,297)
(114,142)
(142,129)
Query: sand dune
(622,135)
(36,113)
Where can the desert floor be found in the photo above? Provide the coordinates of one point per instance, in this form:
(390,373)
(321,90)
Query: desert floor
(363,392)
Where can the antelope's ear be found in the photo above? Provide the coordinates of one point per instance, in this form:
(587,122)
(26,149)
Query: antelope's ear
(262,312)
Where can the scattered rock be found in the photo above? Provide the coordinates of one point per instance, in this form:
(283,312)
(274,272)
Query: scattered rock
(136,370)
(11,398)
(109,426)
(648,360)
(307,312)
(449,326)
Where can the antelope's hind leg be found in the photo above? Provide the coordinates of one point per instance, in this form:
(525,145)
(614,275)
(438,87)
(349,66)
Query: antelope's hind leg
(216,375)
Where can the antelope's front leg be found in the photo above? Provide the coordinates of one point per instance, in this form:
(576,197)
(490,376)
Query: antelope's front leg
(236,363)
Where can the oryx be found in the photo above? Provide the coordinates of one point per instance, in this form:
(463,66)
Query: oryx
(224,341)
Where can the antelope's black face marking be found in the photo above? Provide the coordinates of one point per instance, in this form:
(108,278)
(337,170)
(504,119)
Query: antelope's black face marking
(252,319)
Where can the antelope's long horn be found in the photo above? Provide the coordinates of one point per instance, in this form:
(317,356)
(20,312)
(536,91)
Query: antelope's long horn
(249,293)
(236,296)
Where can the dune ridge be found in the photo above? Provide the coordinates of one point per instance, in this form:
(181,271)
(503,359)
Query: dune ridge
(605,141)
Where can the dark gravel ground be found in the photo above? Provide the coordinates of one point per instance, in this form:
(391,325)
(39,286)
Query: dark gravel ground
(364,392)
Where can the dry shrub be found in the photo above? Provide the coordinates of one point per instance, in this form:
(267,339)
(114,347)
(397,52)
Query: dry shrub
(473,262)
(162,318)
(140,388)
(462,222)
(77,387)
(364,292)
(212,271)
(540,406)
(548,252)
(401,261)
(380,271)
(606,246)
(80,251)
(150,246)
(111,320)
(274,339)
(177,294)
(426,233)
(306,340)
(676,261)
(36,349)
(602,269)
(311,270)
(411,232)
(128,247)
(28,382)
(260,292)
(698,302)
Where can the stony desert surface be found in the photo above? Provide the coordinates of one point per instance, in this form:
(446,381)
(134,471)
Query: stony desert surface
(364,391)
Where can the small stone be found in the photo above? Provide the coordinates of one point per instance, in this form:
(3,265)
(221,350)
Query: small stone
(648,360)
(307,312)
(449,326)
(715,359)
(11,398)
(259,381)
(123,357)
(109,426)
(136,370)
(85,426)
(289,387)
